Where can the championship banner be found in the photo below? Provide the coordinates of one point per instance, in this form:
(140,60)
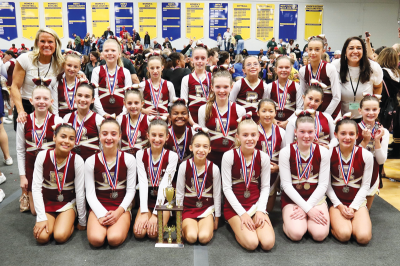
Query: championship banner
(171,20)
(218,20)
(242,20)
(288,22)
(265,22)
(195,21)
(77,20)
(29,19)
(53,18)
(100,18)
(8,22)
(313,25)
(123,17)
(148,19)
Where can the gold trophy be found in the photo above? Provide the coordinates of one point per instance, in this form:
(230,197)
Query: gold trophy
(169,193)
(169,230)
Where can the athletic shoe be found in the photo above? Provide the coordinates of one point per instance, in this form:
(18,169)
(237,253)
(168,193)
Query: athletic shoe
(24,203)
(6,121)
(2,195)
(2,178)
(11,117)
(9,161)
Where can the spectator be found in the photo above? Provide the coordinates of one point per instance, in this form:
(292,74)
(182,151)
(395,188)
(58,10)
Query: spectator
(281,43)
(77,42)
(85,61)
(232,54)
(122,32)
(167,43)
(239,43)
(138,48)
(13,48)
(108,33)
(101,42)
(70,45)
(136,36)
(337,54)
(325,57)
(124,46)
(219,41)
(282,50)
(157,45)
(146,40)
(290,46)
(87,42)
(94,59)
(297,51)
(227,39)
(238,66)
(272,44)
(261,53)
(23,48)
(244,53)
(296,64)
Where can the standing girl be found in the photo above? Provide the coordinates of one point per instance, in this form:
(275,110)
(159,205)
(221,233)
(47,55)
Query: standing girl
(58,186)
(110,181)
(33,136)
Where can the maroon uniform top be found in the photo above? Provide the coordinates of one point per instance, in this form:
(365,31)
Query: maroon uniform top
(170,145)
(324,133)
(196,97)
(141,140)
(164,97)
(62,104)
(290,105)
(10,72)
(119,93)
(247,97)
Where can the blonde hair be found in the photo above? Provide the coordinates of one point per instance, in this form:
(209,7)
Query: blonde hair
(119,62)
(44,88)
(57,56)
(211,98)
(74,56)
(247,123)
(325,57)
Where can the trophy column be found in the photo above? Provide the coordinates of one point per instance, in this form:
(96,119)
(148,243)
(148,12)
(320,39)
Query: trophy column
(178,243)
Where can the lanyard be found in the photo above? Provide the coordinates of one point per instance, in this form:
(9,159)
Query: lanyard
(38,73)
(351,83)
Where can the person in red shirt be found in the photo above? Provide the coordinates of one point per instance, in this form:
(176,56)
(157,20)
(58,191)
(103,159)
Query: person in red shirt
(23,48)
(122,32)
(15,50)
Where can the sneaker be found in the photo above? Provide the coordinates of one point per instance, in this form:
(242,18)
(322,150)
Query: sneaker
(24,203)
(2,178)
(6,121)
(9,161)
(10,117)
(2,195)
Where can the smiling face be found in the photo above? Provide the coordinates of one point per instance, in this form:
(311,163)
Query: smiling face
(251,66)
(41,99)
(305,133)
(109,135)
(65,140)
(266,113)
(354,53)
(46,44)
(84,97)
(315,50)
(312,100)
(179,115)
(155,68)
(369,111)
(133,104)
(346,135)
(200,59)
(247,136)
(72,66)
(200,147)
(111,51)
(221,87)
(157,136)
(283,68)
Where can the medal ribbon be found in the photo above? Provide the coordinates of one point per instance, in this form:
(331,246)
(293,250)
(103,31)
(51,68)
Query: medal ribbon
(60,185)
(205,92)
(70,101)
(344,175)
(318,127)
(132,137)
(199,187)
(39,140)
(79,130)
(270,151)
(306,171)
(224,130)
(282,101)
(318,74)
(112,181)
(246,178)
(111,87)
(373,131)
(155,177)
(155,99)
(181,153)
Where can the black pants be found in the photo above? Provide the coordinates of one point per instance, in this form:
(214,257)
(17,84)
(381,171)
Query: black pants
(28,107)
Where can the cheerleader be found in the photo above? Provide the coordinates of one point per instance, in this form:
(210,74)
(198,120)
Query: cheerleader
(134,125)
(373,137)
(351,171)
(32,137)
(110,181)
(246,179)
(323,73)
(110,80)
(156,168)
(248,91)
(304,173)
(284,92)
(325,129)
(220,116)
(198,189)
(87,132)
(271,141)
(58,186)
(195,87)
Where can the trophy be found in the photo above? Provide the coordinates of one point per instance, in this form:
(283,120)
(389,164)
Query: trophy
(169,230)
(169,193)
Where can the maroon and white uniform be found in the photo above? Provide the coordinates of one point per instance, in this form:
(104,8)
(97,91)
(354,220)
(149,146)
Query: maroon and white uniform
(279,144)
(102,94)
(192,92)
(141,139)
(332,93)
(9,67)
(27,150)
(234,184)
(89,143)
(247,96)
(359,180)
(186,190)
(318,179)
(98,188)
(150,195)
(60,106)
(170,144)
(45,191)
(166,95)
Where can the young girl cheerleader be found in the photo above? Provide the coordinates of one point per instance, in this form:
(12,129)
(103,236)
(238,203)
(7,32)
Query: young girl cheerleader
(250,90)
(351,171)
(284,92)
(373,137)
(324,127)
(156,168)
(58,186)
(246,179)
(110,80)
(195,87)
(87,132)
(157,92)
(110,181)
(219,115)
(304,173)
(198,189)
(322,72)
(134,124)
(33,136)
(271,141)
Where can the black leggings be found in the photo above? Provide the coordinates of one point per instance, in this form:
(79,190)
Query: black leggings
(28,109)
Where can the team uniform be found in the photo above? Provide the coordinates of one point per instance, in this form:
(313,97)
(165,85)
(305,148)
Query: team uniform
(31,140)
(306,192)
(9,68)
(64,97)
(240,198)
(272,144)
(109,96)
(181,145)
(222,137)
(352,194)
(46,193)
(380,156)
(196,92)
(199,200)
(329,80)
(243,94)
(137,133)
(101,193)
(157,98)
(153,177)
(87,134)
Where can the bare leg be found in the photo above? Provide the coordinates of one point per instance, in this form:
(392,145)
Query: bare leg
(96,232)
(64,226)
(317,231)
(362,227)
(31,204)
(271,203)
(341,227)
(246,238)
(266,235)
(294,229)
(117,233)
(4,140)
(370,200)
(190,230)
(206,229)
(44,236)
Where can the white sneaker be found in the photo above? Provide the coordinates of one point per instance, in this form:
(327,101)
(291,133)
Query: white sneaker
(10,117)
(2,178)
(2,195)
(6,121)
(9,161)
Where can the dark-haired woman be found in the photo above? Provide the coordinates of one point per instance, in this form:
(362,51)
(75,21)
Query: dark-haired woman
(94,58)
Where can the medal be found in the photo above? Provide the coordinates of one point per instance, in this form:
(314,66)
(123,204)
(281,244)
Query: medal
(111,100)
(112,180)
(60,184)
(281,114)
(132,137)
(39,140)
(79,130)
(155,99)
(345,175)
(69,100)
(270,149)
(373,130)
(281,101)
(317,75)
(181,153)
(114,195)
(199,187)
(224,130)
(299,186)
(155,176)
(307,186)
(304,172)
(199,204)
(111,88)
(247,194)
(225,142)
(60,198)
(318,127)
(205,91)
(346,189)
(247,178)
(153,193)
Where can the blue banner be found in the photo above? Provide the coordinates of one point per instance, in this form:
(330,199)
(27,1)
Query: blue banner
(77,19)
(171,20)
(218,19)
(288,22)
(123,17)
(8,22)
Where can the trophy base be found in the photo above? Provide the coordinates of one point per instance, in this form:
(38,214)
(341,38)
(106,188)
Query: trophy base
(169,245)
(169,206)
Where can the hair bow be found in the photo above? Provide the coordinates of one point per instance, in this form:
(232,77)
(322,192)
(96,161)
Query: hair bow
(83,80)
(200,44)
(54,127)
(304,112)
(39,81)
(4,86)
(133,87)
(111,117)
(69,51)
(221,67)
(176,99)
(345,116)
(321,36)
(94,85)
(378,96)
(248,115)
(318,84)
(198,128)
(152,117)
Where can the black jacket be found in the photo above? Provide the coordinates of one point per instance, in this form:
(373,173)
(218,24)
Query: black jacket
(137,36)
(106,33)
(146,39)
